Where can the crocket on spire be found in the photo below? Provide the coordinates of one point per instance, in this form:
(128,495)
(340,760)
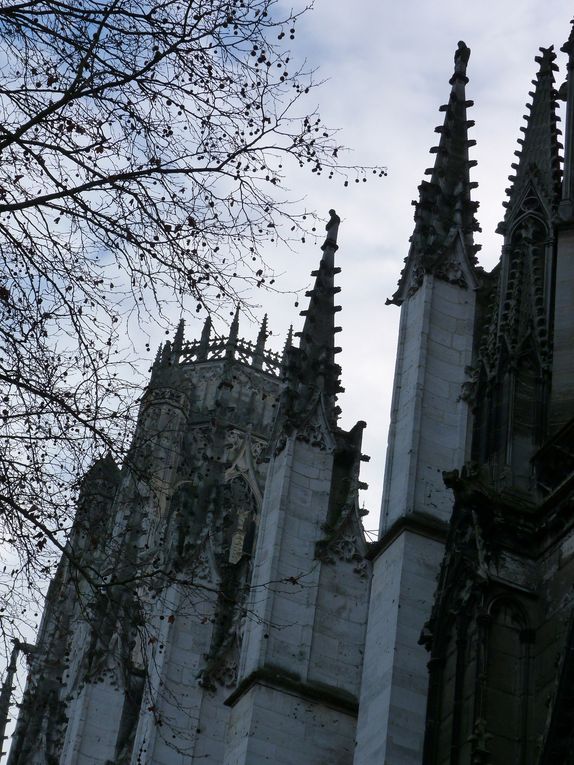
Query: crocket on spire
(444,209)
(311,368)
(538,165)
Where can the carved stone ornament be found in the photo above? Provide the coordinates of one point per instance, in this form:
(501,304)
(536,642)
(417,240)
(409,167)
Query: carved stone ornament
(479,740)
(469,388)
(235,441)
(344,547)
(449,269)
(224,674)
(314,434)
(415,278)
(171,395)
(257,448)
(444,265)
(280,444)
(202,566)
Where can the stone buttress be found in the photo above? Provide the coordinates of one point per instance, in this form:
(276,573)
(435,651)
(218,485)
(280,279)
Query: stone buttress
(501,635)
(62,636)
(137,670)
(165,582)
(428,434)
(562,395)
(301,659)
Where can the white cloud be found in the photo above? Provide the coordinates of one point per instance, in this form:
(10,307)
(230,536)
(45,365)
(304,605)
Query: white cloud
(388,67)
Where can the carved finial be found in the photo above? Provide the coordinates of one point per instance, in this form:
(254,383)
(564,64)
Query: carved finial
(332,229)
(234,328)
(166,354)
(539,158)
(157,360)
(233,334)
(262,336)
(444,213)
(315,369)
(260,344)
(568,46)
(461,56)
(177,345)
(566,209)
(204,340)
(287,347)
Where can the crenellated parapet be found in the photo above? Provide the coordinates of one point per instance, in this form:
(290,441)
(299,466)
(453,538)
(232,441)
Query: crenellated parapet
(244,352)
(211,347)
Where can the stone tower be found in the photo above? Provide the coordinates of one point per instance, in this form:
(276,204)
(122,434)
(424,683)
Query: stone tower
(212,601)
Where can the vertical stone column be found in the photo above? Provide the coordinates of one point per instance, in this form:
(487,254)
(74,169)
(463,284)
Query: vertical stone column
(562,393)
(94,719)
(286,708)
(428,434)
(429,419)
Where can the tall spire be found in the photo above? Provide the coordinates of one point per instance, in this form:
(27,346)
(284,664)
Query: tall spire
(177,345)
(315,369)
(287,347)
(204,340)
(157,361)
(233,335)
(567,204)
(444,208)
(260,344)
(538,165)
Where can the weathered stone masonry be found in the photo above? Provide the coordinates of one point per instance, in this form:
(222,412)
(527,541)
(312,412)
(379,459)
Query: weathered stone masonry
(244,619)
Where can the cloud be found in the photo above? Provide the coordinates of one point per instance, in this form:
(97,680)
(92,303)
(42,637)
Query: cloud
(387,67)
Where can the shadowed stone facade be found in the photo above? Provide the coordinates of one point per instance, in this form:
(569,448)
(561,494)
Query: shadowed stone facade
(225,606)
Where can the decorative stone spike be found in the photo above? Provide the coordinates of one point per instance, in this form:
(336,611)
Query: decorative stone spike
(260,344)
(233,335)
(166,354)
(263,333)
(203,349)
(442,206)
(288,346)
(157,360)
(177,345)
(539,154)
(567,202)
(314,370)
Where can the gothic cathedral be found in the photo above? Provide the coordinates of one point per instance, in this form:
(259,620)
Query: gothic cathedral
(223,605)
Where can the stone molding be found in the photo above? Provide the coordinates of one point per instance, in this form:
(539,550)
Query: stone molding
(281,680)
(423,524)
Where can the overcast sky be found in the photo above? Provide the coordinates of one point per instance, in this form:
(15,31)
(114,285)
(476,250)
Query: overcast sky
(387,66)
